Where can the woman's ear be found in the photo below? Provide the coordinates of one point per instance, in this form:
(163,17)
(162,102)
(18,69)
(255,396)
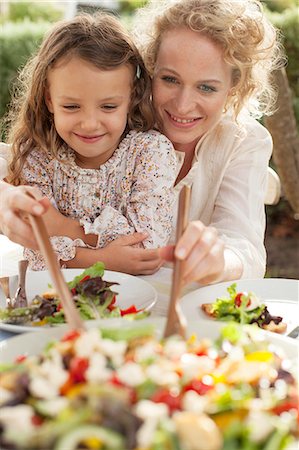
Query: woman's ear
(49,101)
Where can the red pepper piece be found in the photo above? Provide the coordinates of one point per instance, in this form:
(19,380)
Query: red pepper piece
(131,310)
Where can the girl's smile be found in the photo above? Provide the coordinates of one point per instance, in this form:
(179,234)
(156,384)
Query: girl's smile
(90,108)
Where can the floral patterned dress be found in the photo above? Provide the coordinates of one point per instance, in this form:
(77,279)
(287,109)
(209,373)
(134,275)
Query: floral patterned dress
(131,192)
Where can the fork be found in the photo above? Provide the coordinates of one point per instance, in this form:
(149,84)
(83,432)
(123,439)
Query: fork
(4,283)
(176,321)
(20,298)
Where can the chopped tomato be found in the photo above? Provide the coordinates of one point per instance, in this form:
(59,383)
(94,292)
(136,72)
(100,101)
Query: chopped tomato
(36,420)
(238,299)
(115,380)
(87,277)
(70,336)
(20,358)
(78,367)
(59,307)
(286,406)
(131,391)
(131,310)
(111,307)
(198,386)
(165,396)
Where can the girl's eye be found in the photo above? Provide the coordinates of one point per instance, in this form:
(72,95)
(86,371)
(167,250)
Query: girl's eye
(70,107)
(207,89)
(169,79)
(109,107)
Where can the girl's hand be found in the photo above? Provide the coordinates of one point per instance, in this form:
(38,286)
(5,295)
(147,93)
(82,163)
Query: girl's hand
(203,253)
(15,203)
(121,256)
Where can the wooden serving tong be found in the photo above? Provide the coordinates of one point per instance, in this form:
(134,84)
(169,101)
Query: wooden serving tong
(176,321)
(71,313)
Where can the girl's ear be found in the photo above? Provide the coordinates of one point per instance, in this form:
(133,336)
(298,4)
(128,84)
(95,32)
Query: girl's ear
(48,101)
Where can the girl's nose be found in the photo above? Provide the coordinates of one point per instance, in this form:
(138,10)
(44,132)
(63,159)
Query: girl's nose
(89,122)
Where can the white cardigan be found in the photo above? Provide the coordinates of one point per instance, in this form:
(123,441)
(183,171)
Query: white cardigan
(229,181)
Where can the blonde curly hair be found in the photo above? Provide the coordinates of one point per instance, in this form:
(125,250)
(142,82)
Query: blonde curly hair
(251,45)
(100,40)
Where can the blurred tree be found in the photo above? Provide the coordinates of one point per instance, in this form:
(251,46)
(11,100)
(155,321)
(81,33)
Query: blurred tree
(282,126)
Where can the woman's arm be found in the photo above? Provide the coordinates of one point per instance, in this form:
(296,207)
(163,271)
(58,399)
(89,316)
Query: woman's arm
(15,203)
(232,246)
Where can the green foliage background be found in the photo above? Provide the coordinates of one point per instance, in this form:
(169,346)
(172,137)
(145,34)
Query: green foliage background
(26,22)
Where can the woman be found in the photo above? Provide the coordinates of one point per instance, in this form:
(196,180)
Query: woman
(211,63)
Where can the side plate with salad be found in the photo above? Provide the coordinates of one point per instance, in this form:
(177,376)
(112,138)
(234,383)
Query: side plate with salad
(270,303)
(98,294)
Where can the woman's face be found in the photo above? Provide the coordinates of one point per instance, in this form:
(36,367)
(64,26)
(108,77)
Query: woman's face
(190,86)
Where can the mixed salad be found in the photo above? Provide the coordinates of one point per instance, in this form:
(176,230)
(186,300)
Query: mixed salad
(244,308)
(92,295)
(124,389)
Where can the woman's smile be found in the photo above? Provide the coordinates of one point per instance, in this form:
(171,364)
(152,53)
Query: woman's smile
(183,122)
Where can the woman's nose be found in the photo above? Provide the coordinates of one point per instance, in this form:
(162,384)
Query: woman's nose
(184,101)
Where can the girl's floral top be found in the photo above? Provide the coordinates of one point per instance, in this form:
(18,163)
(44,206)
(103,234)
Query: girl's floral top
(131,192)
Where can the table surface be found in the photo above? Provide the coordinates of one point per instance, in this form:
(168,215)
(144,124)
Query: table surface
(11,253)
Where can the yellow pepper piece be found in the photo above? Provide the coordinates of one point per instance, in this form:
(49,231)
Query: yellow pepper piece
(262,356)
(93,443)
(75,390)
(223,420)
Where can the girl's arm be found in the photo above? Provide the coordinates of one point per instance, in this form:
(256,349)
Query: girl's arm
(59,225)
(120,255)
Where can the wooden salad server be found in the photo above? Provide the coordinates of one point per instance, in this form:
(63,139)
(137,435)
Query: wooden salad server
(71,313)
(176,321)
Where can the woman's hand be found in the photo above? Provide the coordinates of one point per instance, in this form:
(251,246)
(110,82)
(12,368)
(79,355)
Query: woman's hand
(121,255)
(14,204)
(203,253)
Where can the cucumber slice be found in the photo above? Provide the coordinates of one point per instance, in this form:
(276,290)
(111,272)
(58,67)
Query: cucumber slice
(71,440)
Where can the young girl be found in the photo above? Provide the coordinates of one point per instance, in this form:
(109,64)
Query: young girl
(81,135)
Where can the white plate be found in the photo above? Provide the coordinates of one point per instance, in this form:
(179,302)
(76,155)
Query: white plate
(27,344)
(280,295)
(131,291)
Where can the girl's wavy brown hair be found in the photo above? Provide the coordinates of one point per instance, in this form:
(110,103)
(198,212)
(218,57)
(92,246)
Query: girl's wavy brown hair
(251,45)
(100,40)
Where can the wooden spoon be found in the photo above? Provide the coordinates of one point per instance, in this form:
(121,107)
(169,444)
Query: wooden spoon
(176,321)
(71,313)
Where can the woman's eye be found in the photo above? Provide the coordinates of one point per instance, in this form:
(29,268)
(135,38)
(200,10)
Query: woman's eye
(169,79)
(206,88)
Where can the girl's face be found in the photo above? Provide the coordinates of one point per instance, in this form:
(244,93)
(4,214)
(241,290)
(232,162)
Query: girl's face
(191,84)
(90,108)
